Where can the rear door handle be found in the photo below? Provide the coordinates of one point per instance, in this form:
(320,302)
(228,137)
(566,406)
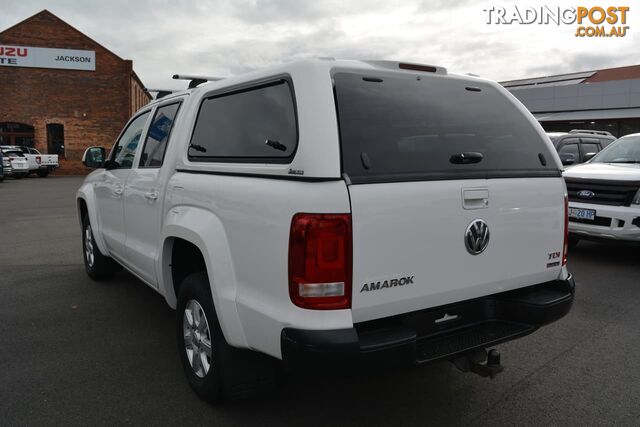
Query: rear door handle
(475,198)
(151,195)
(118,190)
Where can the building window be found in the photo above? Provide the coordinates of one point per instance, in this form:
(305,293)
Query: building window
(55,139)
(12,133)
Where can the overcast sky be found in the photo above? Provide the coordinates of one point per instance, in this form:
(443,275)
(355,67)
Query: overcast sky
(228,37)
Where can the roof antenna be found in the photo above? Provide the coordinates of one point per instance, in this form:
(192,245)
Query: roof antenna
(194,81)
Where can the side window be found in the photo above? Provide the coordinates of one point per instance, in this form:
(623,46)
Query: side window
(248,126)
(604,142)
(125,149)
(590,148)
(570,149)
(159,131)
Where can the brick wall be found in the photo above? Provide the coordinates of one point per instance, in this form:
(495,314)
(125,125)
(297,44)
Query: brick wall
(93,106)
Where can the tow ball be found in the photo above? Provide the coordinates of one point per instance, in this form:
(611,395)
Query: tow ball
(483,363)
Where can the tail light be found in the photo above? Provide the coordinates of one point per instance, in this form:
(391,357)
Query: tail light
(320,261)
(565,247)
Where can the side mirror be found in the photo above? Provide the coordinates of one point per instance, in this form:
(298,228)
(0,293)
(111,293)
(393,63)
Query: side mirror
(589,156)
(567,159)
(94,157)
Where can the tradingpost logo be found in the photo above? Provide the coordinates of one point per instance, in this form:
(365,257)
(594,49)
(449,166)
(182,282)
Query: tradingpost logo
(595,21)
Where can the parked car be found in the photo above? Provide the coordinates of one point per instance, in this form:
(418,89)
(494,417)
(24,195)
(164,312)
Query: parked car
(39,163)
(604,194)
(19,167)
(579,145)
(334,213)
(2,166)
(6,165)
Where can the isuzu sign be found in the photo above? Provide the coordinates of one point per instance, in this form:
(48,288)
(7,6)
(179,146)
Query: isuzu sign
(41,57)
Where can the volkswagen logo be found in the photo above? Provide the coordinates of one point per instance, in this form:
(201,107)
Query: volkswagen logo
(476,237)
(586,194)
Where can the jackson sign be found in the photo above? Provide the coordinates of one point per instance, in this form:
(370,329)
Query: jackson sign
(40,57)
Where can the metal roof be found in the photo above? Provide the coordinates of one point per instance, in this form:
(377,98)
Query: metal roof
(562,79)
(615,113)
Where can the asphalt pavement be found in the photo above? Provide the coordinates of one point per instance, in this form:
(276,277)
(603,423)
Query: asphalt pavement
(74,351)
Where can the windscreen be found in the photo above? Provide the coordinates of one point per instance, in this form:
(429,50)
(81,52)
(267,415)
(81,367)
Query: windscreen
(624,150)
(13,154)
(410,128)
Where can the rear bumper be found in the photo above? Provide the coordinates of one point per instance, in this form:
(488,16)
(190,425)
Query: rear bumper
(432,334)
(19,170)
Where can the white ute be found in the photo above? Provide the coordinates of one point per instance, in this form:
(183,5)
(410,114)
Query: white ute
(332,214)
(604,194)
(41,164)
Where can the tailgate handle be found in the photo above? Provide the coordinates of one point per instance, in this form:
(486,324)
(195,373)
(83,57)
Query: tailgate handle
(475,198)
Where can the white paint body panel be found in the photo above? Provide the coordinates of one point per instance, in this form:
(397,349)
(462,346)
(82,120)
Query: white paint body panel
(42,161)
(417,229)
(614,172)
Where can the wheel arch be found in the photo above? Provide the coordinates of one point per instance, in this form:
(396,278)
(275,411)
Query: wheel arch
(190,228)
(85,205)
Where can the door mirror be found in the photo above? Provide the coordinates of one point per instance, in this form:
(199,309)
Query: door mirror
(567,159)
(94,157)
(589,156)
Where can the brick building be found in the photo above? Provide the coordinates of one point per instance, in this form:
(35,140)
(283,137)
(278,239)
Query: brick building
(61,91)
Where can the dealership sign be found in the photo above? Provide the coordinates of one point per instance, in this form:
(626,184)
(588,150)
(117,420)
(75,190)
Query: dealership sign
(40,57)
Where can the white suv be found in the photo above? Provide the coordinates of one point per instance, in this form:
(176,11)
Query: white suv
(328,213)
(604,194)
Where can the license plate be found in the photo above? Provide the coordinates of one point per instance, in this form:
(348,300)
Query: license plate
(578,213)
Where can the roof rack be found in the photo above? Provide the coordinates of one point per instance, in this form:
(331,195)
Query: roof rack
(160,93)
(196,80)
(591,132)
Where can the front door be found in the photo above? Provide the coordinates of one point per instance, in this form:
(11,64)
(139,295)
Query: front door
(144,196)
(109,190)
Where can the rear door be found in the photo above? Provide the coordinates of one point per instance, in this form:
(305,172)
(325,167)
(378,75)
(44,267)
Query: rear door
(455,194)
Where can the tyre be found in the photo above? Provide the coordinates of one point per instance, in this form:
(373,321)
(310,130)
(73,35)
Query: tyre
(215,370)
(18,175)
(43,173)
(97,265)
(573,241)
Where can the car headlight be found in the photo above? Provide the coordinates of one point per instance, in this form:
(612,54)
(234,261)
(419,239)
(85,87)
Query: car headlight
(636,198)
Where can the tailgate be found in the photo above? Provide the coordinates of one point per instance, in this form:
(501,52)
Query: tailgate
(456,192)
(409,249)
(48,160)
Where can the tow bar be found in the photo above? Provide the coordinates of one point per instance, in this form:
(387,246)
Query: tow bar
(481,362)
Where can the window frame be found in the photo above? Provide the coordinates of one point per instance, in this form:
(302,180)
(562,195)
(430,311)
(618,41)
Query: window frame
(145,127)
(578,152)
(583,150)
(146,133)
(234,90)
